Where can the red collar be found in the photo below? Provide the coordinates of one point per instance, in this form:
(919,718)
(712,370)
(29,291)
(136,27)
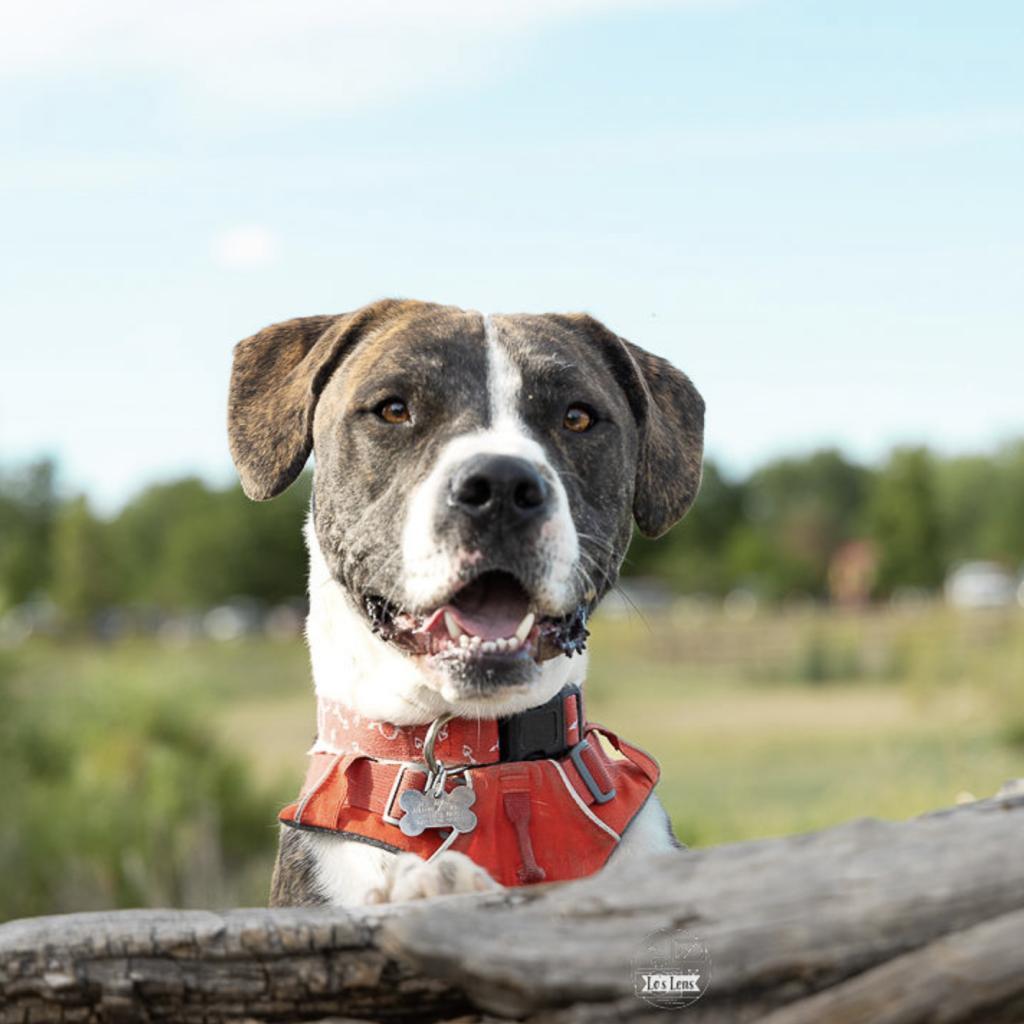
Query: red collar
(546,731)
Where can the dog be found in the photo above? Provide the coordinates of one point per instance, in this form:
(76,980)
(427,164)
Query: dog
(475,487)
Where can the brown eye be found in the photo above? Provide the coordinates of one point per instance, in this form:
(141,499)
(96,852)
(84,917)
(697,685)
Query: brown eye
(394,410)
(578,418)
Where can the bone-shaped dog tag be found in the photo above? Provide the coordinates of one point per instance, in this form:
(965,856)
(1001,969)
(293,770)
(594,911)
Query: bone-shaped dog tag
(434,807)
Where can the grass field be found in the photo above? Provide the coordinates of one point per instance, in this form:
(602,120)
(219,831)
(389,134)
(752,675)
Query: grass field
(777,724)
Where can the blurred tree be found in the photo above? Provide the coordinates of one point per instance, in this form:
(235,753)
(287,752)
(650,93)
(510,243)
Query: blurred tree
(905,522)
(28,509)
(141,532)
(796,513)
(1007,506)
(84,579)
(186,545)
(966,489)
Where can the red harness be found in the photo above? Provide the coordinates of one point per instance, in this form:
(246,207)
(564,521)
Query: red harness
(552,800)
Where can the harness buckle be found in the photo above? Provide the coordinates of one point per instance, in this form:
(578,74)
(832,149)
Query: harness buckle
(390,802)
(600,796)
(540,732)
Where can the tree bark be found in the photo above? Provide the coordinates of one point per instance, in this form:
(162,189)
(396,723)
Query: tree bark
(918,921)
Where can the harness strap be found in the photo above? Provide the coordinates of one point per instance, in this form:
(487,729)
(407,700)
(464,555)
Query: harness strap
(515,799)
(375,786)
(321,770)
(639,757)
(548,819)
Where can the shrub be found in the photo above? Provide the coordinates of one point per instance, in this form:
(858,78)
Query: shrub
(114,796)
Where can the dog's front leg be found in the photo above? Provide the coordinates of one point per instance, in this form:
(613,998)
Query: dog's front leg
(413,878)
(318,869)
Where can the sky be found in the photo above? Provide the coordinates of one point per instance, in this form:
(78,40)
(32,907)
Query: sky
(812,207)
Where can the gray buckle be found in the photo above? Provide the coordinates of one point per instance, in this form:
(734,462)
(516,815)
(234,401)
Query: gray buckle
(387,815)
(589,781)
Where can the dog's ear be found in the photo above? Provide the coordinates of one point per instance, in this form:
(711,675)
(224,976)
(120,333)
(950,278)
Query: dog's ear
(669,413)
(276,380)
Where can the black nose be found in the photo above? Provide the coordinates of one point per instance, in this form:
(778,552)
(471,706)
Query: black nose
(499,488)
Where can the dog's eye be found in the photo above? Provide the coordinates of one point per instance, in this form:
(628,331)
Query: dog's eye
(393,410)
(578,418)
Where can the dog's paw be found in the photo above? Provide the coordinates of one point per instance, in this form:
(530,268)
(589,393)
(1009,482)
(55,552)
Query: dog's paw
(414,878)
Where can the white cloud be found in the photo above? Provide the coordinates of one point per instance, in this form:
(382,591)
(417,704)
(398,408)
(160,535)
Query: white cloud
(270,55)
(245,247)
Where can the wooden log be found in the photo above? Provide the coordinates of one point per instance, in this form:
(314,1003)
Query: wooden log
(869,921)
(186,966)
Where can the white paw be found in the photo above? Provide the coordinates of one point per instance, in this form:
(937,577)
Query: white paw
(414,878)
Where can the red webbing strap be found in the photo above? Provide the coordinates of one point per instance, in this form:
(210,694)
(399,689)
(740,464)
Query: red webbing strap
(639,757)
(460,741)
(322,767)
(515,798)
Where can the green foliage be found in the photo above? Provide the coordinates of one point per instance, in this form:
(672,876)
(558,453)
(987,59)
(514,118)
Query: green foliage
(774,533)
(798,512)
(116,795)
(905,522)
(1006,505)
(84,580)
(28,508)
(981,502)
(185,545)
(177,546)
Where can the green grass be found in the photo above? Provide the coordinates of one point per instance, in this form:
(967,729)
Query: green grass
(748,751)
(784,723)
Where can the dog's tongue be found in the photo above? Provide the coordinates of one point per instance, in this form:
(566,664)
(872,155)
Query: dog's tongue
(490,607)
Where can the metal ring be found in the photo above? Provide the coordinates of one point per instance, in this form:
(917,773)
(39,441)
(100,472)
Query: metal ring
(431,739)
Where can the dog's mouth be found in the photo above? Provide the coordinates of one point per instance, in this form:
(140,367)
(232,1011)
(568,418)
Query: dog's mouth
(488,618)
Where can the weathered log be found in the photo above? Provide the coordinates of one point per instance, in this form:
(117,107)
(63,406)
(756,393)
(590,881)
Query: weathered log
(870,921)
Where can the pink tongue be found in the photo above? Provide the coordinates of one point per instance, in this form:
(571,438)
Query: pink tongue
(490,623)
(490,608)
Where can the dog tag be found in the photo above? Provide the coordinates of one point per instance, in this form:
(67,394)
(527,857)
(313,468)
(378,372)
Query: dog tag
(435,807)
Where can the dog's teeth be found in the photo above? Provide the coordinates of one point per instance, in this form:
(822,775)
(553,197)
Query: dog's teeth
(501,645)
(512,643)
(474,643)
(463,641)
(525,626)
(487,647)
(454,629)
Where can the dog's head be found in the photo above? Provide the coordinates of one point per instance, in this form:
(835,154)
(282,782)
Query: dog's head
(476,478)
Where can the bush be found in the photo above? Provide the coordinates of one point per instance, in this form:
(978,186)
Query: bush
(119,798)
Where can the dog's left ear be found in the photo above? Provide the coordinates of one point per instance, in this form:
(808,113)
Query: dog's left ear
(276,380)
(669,413)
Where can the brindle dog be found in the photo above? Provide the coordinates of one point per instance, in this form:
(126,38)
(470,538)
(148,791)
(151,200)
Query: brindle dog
(484,471)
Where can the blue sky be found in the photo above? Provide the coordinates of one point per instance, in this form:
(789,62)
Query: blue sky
(814,208)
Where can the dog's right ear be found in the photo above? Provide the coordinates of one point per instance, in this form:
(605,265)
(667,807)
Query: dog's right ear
(276,380)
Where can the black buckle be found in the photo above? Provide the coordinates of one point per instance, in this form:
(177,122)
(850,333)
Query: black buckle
(539,732)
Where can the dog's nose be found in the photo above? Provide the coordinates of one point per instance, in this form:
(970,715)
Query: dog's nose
(499,488)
